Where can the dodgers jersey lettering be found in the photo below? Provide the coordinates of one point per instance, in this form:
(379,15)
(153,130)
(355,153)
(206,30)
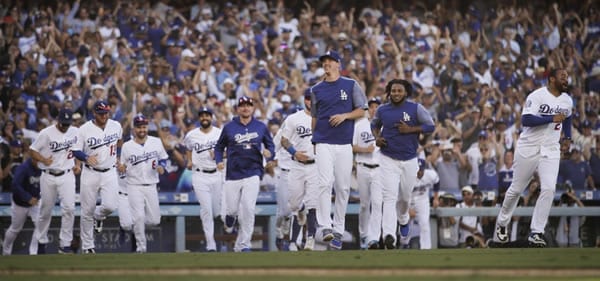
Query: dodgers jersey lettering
(331,98)
(201,144)
(142,160)
(92,140)
(52,142)
(542,103)
(297,129)
(244,148)
(363,137)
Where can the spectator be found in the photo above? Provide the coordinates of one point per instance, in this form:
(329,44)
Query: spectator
(448,226)
(567,231)
(575,170)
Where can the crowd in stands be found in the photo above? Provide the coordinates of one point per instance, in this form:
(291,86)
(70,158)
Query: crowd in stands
(472,64)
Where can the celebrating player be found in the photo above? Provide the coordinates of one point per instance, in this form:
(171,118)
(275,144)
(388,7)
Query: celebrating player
(547,111)
(396,127)
(25,198)
(98,145)
(368,178)
(335,103)
(206,179)
(283,223)
(303,182)
(143,158)
(243,138)
(52,150)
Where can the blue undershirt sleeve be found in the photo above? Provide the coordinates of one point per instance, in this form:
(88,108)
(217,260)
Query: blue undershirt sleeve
(529,120)
(80,155)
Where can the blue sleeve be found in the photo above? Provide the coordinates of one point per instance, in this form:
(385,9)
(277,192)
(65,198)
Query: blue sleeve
(566,124)
(358,97)
(162,163)
(436,187)
(427,125)
(529,120)
(19,179)
(80,155)
(220,146)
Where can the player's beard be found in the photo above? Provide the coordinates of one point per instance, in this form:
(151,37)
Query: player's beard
(205,124)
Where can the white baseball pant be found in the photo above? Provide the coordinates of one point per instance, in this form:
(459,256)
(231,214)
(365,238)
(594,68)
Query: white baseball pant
(92,183)
(422,207)
(143,200)
(398,180)
(18,217)
(303,187)
(283,208)
(371,202)
(208,189)
(240,197)
(51,188)
(125,216)
(334,164)
(527,160)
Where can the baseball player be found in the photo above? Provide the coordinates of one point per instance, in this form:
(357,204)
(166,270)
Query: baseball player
(98,147)
(283,223)
(427,179)
(547,112)
(396,127)
(25,198)
(52,151)
(335,103)
(244,138)
(366,156)
(143,158)
(206,179)
(303,187)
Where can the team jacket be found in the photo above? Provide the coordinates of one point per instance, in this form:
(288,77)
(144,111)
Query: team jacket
(244,145)
(401,146)
(26,183)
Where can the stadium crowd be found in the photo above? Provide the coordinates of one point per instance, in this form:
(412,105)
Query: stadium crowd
(471,65)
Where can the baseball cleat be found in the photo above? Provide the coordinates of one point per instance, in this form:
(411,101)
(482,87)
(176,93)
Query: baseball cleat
(501,235)
(363,243)
(293,247)
(246,250)
(373,245)
(65,250)
(404,230)
(98,224)
(88,251)
(228,226)
(336,243)
(310,244)
(41,249)
(389,242)
(536,240)
(327,234)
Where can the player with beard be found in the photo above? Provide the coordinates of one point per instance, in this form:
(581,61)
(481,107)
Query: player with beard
(396,126)
(206,179)
(547,111)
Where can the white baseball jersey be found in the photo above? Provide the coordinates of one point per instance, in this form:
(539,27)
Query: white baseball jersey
(363,137)
(142,160)
(297,129)
(542,103)
(284,159)
(92,140)
(425,183)
(52,142)
(201,144)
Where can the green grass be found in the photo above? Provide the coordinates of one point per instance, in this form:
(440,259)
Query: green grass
(455,264)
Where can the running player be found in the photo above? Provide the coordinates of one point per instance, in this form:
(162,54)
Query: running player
(206,179)
(143,158)
(335,103)
(52,150)
(98,145)
(547,111)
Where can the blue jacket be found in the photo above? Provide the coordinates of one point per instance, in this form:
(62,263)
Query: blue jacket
(244,145)
(26,183)
(401,146)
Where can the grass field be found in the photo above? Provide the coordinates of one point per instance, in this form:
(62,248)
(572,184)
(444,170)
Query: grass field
(474,264)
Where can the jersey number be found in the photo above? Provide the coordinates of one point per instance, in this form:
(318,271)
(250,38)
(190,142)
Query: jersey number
(557,126)
(153,164)
(70,155)
(113,151)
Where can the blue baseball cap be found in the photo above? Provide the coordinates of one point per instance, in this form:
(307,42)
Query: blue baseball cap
(245,100)
(331,55)
(101,107)
(376,100)
(307,94)
(16,143)
(205,109)
(140,120)
(65,116)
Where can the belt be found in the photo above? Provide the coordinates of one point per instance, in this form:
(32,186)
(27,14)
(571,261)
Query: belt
(370,166)
(308,162)
(97,170)
(207,171)
(122,193)
(56,174)
(285,170)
